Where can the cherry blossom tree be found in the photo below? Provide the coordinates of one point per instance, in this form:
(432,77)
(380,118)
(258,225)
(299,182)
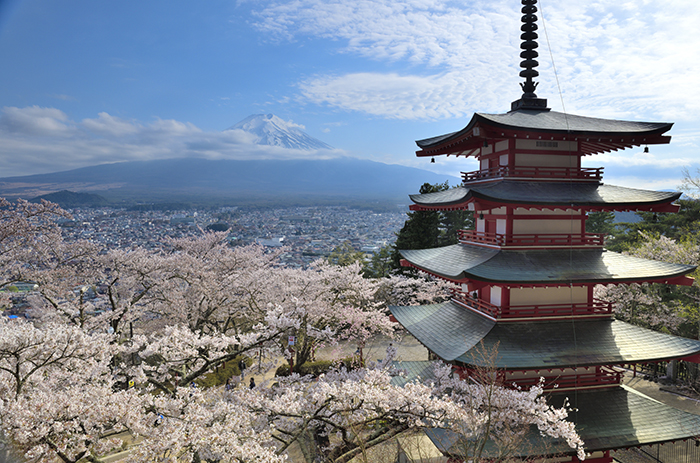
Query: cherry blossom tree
(339,416)
(57,396)
(70,407)
(25,230)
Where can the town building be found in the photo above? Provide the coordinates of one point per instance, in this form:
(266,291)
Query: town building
(526,274)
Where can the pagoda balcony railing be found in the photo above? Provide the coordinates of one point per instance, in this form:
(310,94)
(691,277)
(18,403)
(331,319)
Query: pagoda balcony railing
(593,377)
(533,239)
(596,377)
(596,307)
(546,173)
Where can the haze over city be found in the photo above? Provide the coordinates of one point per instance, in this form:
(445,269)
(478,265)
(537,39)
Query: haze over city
(86,83)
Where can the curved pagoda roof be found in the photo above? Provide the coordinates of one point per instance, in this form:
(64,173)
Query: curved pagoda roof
(455,333)
(605,419)
(464,262)
(594,134)
(547,194)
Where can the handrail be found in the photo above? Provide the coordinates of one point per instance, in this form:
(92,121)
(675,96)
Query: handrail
(532,239)
(599,376)
(476,303)
(583,173)
(596,307)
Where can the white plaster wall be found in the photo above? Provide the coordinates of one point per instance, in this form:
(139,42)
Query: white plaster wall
(546,226)
(563,213)
(545,160)
(496,296)
(503,160)
(502,145)
(563,295)
(560,145)
(501,226)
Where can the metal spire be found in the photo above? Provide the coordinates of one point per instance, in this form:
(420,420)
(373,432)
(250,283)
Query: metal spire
(529,36)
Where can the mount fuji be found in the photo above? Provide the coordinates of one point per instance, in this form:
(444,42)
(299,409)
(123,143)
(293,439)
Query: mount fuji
(269,129)
(313,180)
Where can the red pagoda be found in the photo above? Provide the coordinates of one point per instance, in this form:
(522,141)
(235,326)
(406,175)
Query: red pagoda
(526,273)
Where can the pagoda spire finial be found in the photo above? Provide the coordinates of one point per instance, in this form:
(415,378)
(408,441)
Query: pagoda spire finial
(529,46)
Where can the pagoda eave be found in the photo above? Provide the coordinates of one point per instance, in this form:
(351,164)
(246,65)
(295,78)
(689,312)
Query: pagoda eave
(528,194)
(484,204)
(630,419)
(594,135)
(476,283)
(465,263)
(457,335)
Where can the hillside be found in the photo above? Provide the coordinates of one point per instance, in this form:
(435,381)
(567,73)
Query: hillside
(198,180)
(69,199)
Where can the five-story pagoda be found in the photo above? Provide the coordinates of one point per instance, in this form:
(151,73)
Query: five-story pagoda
(528,269)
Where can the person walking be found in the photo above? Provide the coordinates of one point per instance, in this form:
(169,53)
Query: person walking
(252,382)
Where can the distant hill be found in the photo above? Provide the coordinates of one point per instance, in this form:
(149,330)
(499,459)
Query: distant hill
(70,199)
(272,182)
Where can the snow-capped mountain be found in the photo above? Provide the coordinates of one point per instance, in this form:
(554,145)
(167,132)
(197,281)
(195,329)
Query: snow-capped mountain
(269,129)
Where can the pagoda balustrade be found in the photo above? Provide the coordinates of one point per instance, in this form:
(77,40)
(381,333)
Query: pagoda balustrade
(538,172)
(596,307)
(532,239)
(598,376)
(595,377)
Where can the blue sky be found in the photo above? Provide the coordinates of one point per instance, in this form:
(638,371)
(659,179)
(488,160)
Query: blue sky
(84,82)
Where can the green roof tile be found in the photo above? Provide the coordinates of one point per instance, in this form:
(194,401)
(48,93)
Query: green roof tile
(455,334)
(605,419)
(542,345)
(553,122)
(548,194)
(460,261)
(448,330)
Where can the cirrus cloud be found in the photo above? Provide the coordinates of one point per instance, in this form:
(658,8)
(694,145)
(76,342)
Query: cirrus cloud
(614,59)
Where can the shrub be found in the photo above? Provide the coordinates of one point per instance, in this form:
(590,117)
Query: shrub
(220,376)
(316,368)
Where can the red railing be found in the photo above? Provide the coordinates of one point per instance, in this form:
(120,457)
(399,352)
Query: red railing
(596,376)
(476,303)
(534,239)
(596,307)
(554,173)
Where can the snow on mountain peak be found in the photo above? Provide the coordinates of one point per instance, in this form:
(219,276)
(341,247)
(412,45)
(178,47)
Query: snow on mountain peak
(269,129)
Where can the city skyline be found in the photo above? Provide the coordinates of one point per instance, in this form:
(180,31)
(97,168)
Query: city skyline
(89,83)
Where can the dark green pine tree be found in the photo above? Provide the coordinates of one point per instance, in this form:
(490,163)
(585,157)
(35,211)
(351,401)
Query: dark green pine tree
(429,229)
(600,222)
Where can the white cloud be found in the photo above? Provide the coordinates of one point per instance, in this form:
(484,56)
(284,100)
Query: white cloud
(394,96)
(40,140)
(110,125)
(646,183)
(637,157)
(35,121)
(627,60)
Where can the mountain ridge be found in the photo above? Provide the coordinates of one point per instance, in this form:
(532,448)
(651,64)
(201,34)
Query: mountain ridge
(281,181)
